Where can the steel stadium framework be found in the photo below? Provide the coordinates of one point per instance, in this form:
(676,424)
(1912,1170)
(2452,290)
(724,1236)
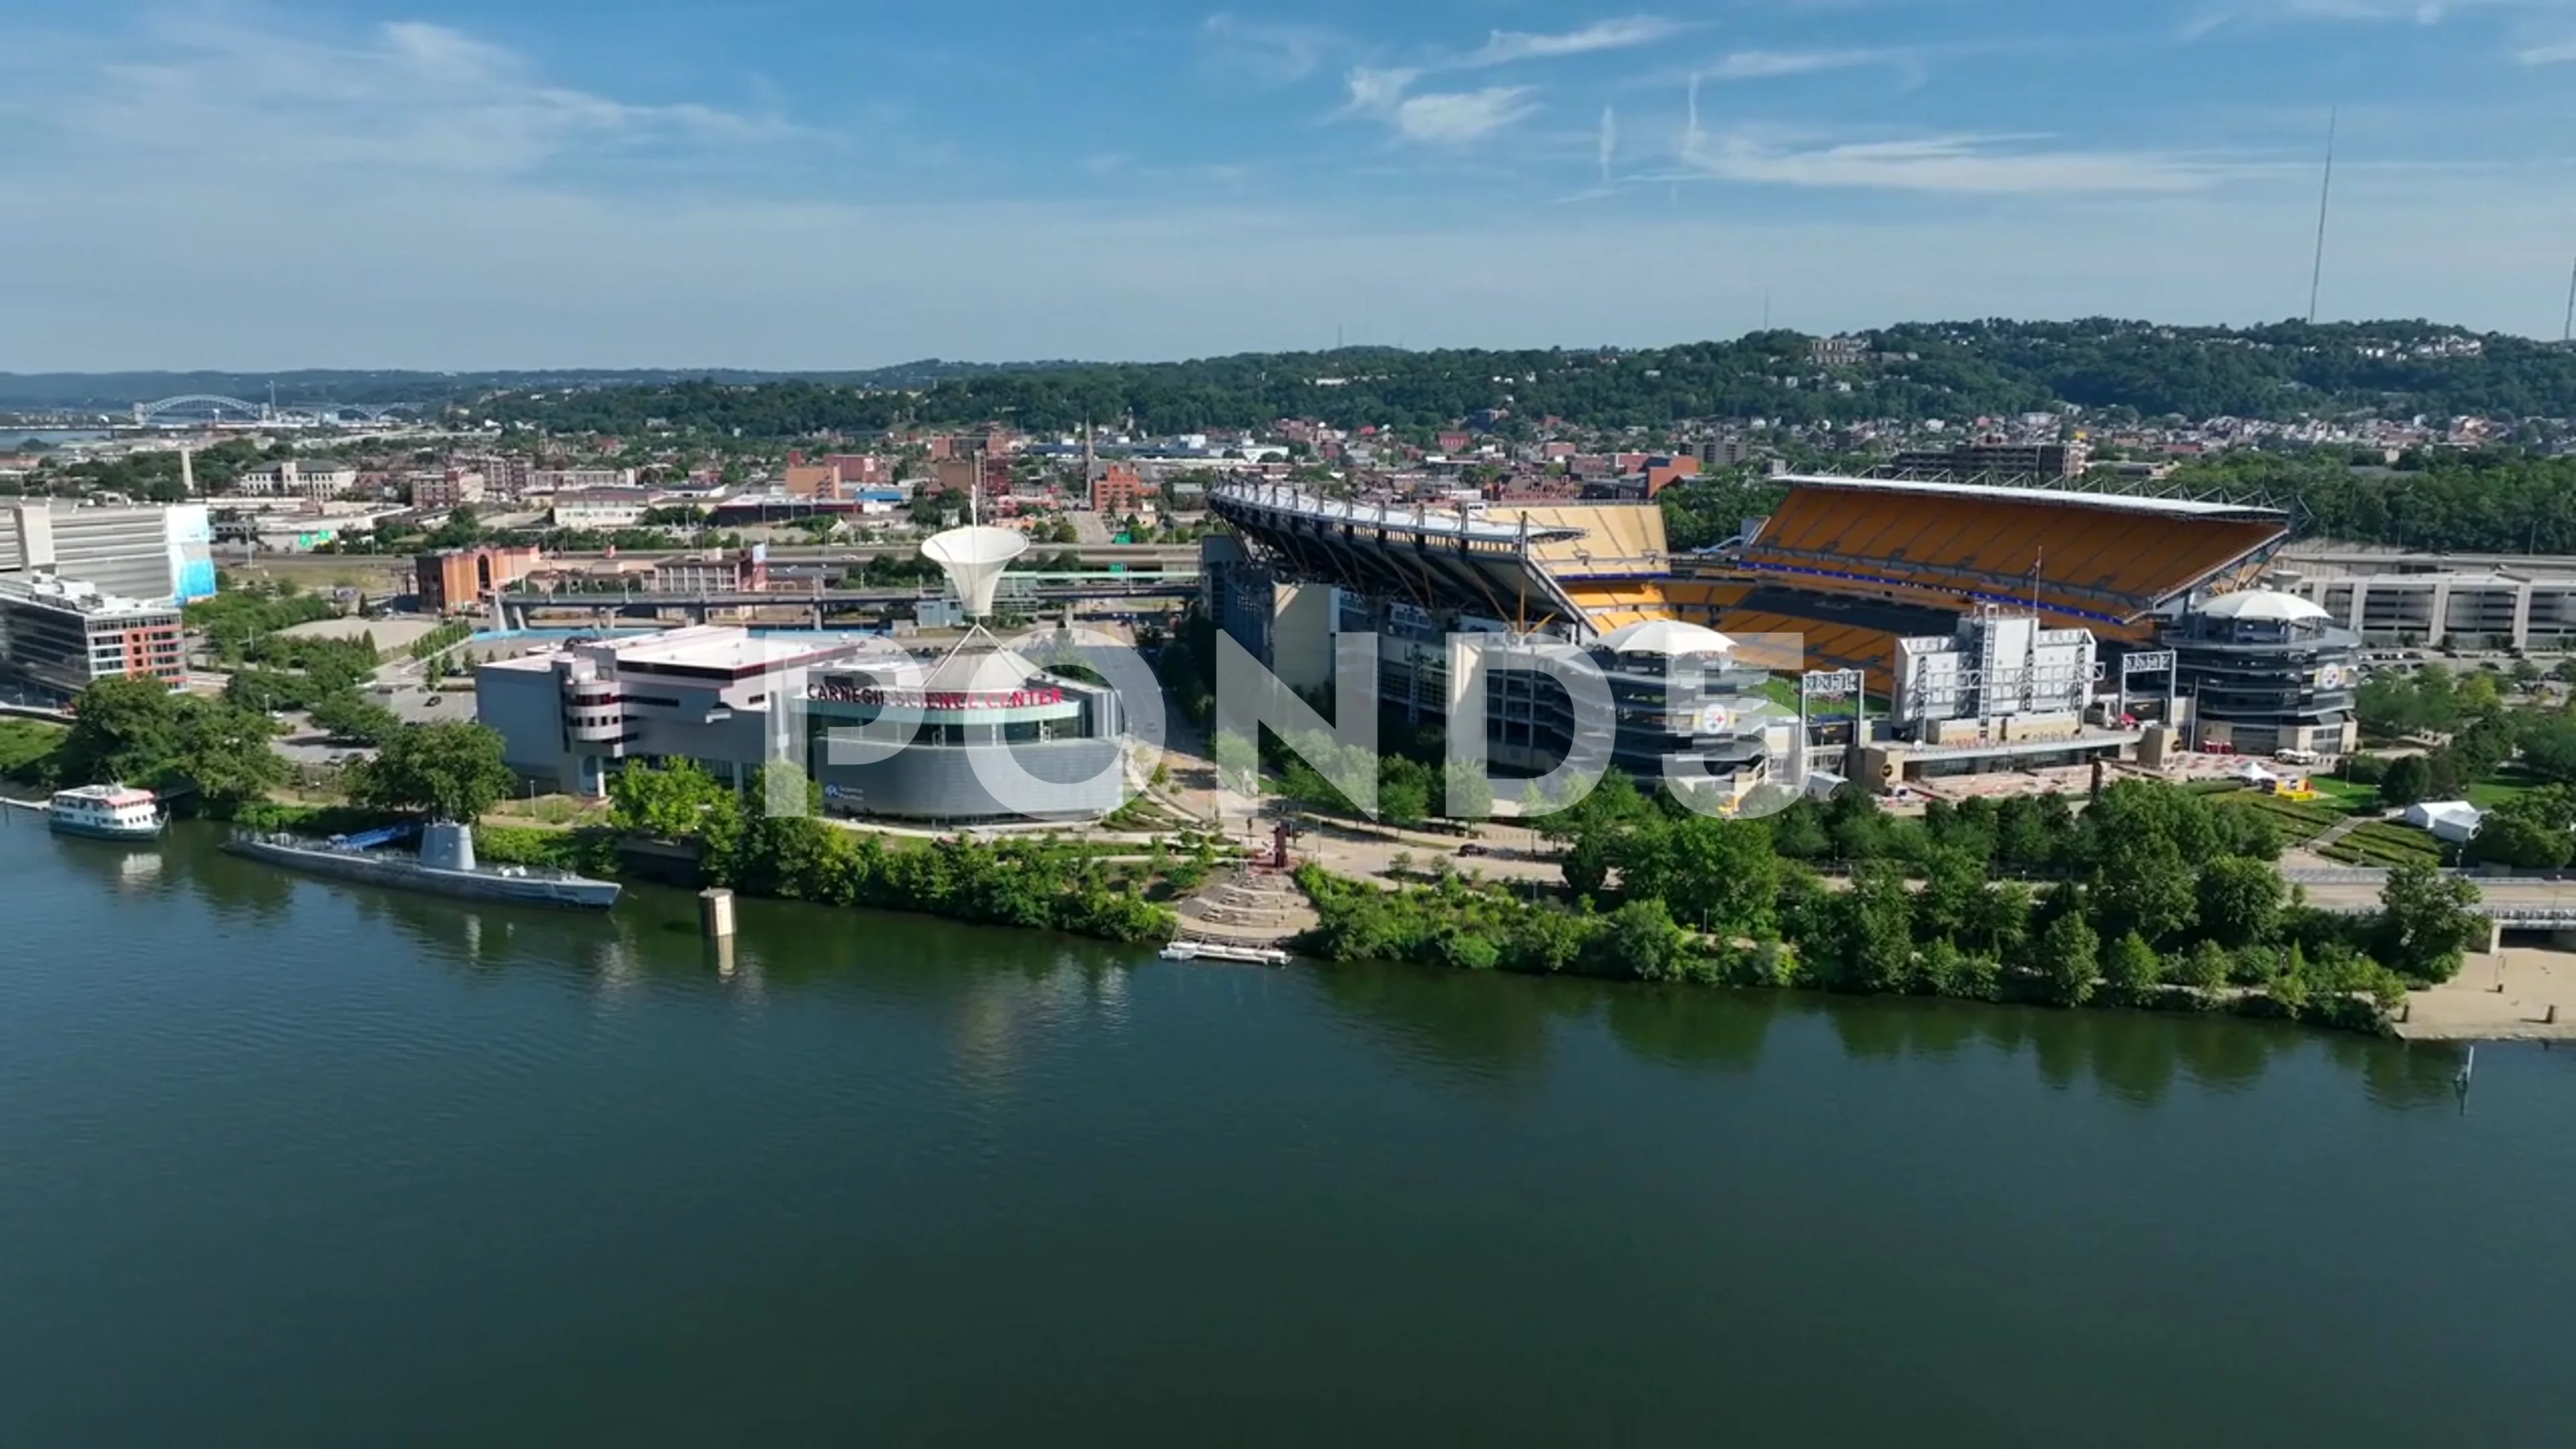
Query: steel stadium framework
(1851,564)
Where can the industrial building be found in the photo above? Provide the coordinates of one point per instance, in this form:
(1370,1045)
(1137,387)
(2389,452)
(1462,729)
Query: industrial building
(157,554)
(58,637)
(460,579)
(2266,672)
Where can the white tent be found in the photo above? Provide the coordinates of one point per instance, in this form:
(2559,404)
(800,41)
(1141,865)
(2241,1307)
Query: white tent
(2451,820)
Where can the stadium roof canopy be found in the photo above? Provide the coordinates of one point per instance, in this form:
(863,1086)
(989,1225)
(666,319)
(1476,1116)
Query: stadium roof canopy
(2046,497)
(1519,565)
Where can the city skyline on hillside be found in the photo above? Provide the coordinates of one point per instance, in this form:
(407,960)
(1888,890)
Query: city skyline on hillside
(463,185)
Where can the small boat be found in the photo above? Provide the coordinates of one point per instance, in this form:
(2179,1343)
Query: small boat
(1219,951)
(106,812)
(445,866)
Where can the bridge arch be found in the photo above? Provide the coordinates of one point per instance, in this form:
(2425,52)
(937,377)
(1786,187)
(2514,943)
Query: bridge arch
(214,403)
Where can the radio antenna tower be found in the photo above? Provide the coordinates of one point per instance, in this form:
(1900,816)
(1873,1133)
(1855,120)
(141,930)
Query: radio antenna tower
(2567,329)
(2325,194)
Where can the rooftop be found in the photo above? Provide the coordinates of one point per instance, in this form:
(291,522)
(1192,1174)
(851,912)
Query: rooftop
(2040,497)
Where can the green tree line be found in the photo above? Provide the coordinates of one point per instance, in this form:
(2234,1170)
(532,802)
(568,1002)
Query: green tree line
(1949,370)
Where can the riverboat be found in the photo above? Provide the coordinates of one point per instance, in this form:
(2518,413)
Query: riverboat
(106,812)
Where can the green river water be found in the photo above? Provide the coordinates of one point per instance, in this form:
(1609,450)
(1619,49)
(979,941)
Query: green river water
(287,1162)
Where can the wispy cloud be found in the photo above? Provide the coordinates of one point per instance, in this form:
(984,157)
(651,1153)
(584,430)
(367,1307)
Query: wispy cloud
(2419,12)
(1505,47)
(2562,54)
(1608,144)
(407,96)
(1445,118)
(1971,164)
(1767,64)
(1455,118)
(1272,54)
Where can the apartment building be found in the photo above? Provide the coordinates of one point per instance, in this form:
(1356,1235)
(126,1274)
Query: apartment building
(58,637)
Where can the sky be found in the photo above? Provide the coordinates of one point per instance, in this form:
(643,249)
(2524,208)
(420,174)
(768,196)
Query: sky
(803,184)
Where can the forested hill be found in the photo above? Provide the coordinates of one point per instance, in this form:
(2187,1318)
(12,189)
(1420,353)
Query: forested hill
(2114,370)
(116,391)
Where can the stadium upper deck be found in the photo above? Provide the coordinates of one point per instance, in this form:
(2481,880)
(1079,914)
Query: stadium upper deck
(1849,564)
(1529,565)
(2101,560)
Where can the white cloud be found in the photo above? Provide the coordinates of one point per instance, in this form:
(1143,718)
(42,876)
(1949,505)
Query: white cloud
(1449,118)
(1458,117)
(1273,54)
(2548,54)
(1608,143)
(1766,64)
(1504,47)
(1375,92)
(408,96)
(1993,165)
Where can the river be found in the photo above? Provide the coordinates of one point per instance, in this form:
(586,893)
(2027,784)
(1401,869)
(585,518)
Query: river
(284,1162)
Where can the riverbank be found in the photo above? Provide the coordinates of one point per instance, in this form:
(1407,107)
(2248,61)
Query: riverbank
(2520,993)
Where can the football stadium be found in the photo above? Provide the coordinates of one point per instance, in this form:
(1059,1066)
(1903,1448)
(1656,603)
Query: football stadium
(1982,627)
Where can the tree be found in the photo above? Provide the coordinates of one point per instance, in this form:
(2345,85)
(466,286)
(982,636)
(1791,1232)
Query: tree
(2145,885)
(1404,792)
(674,801)
(1642,942)
(1469,795)
(2240,901)
(349,718)
(123,729)
(2409,779)
(450,771)
(2132,968)
(2426,923)
(2067,958)
(2203,968)
(1721,874)
(226,753)
(2518,839)
(2549,748)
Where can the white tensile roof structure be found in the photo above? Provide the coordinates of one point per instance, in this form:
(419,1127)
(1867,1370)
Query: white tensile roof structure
(2263,604)
(1672,638)
(974,559)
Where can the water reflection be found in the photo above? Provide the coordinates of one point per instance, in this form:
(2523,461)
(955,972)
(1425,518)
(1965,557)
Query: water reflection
(995,992)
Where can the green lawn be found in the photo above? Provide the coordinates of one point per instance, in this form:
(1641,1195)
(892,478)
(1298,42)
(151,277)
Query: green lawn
(23,742)
(2343,796)
(2508,782)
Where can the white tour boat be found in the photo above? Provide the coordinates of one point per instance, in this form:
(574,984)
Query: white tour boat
(106,812)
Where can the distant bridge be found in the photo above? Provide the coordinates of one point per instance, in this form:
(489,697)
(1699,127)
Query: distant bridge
(215,407)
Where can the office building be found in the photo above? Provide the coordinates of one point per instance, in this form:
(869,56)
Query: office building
(291,478)
(603,507)
(159,554)
(2267,672)
(57,637)
(448,488)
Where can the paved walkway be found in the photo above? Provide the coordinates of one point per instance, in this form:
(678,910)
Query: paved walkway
(2507,996)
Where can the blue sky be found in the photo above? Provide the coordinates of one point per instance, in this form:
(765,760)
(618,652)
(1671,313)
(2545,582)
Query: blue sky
(791,183)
